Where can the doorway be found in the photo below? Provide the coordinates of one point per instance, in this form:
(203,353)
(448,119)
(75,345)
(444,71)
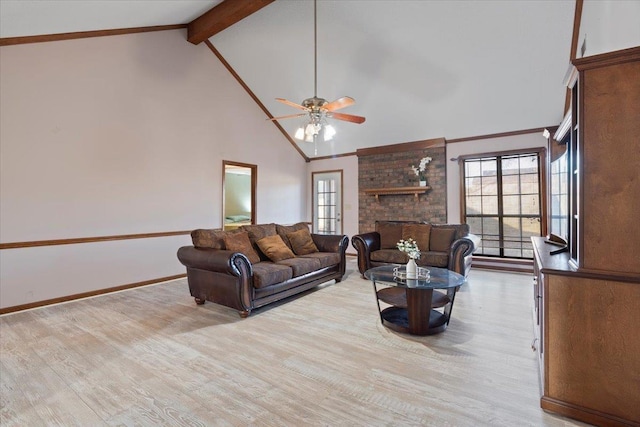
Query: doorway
(238,194)
(327,202)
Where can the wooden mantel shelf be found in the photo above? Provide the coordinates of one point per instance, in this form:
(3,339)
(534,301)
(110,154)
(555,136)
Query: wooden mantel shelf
(416,191)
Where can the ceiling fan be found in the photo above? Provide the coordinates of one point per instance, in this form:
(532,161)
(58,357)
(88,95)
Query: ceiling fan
(319,109)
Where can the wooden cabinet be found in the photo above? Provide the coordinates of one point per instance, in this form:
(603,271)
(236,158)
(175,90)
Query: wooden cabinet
(606,166)
(610,165)
(588,342)
(587,300)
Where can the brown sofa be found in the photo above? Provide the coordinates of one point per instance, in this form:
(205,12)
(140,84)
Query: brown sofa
(258,264)
(441,245)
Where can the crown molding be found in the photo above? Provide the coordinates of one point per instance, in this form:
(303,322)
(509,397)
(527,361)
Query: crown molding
(405,146)
(609,58)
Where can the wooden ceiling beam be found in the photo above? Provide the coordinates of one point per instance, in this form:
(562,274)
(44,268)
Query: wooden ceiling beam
(222,16)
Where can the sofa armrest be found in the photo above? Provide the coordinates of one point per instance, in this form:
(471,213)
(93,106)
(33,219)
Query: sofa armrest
(333,243)
(461,252)
(220,276)
(365,244)
(216,260)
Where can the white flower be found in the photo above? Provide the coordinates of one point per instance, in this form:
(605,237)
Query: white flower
(422,166)
(409,246)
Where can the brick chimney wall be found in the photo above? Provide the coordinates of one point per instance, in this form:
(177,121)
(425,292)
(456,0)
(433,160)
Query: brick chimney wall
(387,170)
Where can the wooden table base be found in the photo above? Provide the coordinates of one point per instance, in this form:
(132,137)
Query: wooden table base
(417,318)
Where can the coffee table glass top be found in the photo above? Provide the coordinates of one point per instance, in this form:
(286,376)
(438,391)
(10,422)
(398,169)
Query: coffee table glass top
(441,278)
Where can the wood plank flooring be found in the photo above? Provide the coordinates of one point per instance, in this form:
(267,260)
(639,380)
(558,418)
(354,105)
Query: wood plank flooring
(150,356)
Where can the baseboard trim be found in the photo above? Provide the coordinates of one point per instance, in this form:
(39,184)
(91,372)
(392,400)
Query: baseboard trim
(501,268)
(503,264)
(581,413)
(37,304)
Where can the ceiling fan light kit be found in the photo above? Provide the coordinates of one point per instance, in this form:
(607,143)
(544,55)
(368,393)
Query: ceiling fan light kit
(319,109)
(315,129)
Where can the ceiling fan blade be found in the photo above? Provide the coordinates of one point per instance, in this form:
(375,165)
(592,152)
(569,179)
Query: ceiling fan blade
(288,116)
(291,104)
(339,103)
(348,117)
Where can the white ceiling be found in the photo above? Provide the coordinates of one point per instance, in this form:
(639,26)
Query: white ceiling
(417,69)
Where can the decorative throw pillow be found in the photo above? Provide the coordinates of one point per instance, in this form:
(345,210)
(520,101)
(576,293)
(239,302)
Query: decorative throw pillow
(441,239)
(390,234)
(258,231)
(302,242)
(274,248)
(418,232)
(239,242)
(283,230)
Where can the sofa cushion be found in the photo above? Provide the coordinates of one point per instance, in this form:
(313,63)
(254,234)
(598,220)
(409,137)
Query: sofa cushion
(462,230)
(418,232)
(266,273)
(206,238)
(301,242)
(441,238)
(327,259)
(283,230)
(389,255)
(274,248)
(239,242)
(301,265)
(433,259)
(390,233)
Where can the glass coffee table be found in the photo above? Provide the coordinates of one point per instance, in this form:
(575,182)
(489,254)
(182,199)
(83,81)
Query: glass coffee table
(415,306)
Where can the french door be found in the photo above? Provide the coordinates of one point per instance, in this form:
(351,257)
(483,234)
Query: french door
(502,202)
(327,202)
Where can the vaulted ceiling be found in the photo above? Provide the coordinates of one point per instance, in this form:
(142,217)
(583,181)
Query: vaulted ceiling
(418,69)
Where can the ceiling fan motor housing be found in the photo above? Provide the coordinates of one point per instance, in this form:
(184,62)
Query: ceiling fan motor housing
(314,103)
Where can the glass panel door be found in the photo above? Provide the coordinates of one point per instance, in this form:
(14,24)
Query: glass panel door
(327,202)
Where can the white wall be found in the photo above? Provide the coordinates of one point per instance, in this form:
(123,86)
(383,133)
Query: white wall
(124,135)
(609,25)
(489,145)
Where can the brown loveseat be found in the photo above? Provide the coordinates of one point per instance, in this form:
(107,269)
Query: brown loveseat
(441,245)
(258,264)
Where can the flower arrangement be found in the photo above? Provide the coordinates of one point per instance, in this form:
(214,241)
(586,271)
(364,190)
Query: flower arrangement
(409,246)
(421,168)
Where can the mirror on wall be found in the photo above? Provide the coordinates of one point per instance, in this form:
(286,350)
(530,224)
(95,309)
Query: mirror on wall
(238,194)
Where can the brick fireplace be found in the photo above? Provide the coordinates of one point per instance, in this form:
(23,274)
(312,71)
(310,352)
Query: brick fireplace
(389,167)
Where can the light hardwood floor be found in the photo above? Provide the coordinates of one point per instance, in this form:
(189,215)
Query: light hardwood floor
(150,356)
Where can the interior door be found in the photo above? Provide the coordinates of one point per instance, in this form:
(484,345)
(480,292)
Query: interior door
(327,202)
